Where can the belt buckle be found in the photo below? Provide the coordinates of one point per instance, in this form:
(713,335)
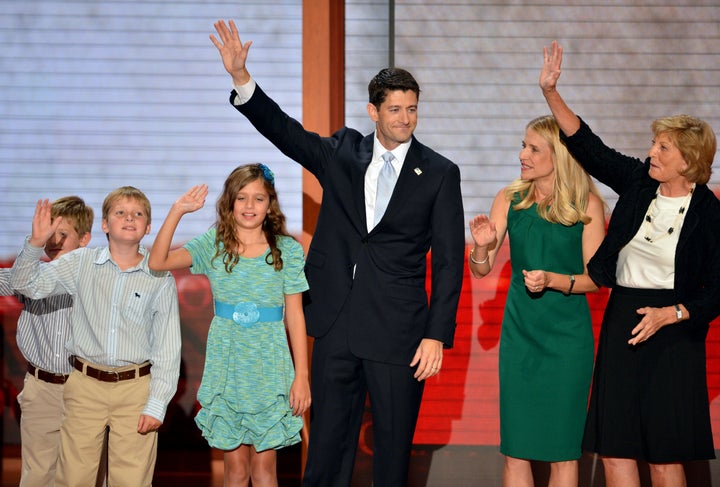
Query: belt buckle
(117,375)
(246,314)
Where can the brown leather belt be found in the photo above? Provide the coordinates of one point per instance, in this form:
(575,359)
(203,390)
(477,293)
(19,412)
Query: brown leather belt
(110,375)
(46,376)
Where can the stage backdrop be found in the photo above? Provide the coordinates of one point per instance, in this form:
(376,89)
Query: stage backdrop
(99,93)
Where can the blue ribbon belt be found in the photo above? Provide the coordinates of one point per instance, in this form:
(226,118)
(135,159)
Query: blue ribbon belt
(247,314)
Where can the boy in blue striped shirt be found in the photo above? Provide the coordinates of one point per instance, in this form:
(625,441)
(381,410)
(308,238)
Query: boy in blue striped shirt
(43,328)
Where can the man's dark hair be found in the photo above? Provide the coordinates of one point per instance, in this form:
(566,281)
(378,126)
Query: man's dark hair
(391,79)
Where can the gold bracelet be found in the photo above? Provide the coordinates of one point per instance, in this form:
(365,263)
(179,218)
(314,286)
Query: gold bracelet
(478,261)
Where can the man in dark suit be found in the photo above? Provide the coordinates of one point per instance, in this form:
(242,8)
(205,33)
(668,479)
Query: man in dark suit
(375,331)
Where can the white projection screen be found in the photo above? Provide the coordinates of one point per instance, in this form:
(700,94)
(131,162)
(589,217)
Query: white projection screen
(99,94)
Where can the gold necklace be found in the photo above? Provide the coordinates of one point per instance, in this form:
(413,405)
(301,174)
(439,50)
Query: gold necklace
(647,222)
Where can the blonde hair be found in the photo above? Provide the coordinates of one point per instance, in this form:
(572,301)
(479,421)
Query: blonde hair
(74,210)
(695,140)
(567,203)
(128,192)
(227,245)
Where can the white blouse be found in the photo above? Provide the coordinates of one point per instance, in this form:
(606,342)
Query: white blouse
(648,260)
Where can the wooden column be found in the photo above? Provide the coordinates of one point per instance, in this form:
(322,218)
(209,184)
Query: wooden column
(323,103)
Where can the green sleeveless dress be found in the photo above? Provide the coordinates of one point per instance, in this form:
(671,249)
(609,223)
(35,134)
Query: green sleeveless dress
(546,345)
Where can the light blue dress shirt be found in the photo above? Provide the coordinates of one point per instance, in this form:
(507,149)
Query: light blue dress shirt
(119,317)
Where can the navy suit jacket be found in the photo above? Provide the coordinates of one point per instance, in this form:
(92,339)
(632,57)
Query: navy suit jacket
(697,257)
(388,309)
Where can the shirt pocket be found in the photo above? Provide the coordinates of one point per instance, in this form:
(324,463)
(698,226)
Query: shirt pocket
(137,307)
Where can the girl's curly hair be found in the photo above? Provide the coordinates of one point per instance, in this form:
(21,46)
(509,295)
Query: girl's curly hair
(227,245)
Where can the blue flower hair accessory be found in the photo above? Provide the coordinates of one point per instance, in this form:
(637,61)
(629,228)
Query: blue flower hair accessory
(267,173)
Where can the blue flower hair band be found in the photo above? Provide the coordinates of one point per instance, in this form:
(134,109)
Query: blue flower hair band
(267,173)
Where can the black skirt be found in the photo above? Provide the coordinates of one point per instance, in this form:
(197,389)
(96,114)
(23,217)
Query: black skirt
(649,401)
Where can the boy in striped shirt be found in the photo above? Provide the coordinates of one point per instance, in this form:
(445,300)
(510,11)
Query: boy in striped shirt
(43,329)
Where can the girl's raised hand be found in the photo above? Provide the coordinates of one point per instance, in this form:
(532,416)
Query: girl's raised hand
(192,200)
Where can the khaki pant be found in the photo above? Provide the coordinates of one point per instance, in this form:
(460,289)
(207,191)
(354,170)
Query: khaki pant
(90,407)
(41,406)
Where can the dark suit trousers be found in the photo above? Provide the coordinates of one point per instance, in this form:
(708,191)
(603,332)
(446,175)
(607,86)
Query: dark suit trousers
(340,383)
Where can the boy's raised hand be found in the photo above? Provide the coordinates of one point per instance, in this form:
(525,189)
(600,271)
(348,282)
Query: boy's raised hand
(43,226)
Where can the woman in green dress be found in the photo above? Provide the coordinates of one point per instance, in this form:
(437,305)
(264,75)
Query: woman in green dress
(555,220)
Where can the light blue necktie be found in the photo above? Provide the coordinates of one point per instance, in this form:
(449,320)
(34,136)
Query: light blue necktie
(385,185)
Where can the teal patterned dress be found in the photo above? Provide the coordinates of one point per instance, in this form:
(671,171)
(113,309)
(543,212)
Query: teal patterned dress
(546,345)
(245,389)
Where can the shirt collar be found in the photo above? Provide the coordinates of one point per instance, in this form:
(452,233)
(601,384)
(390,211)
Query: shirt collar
(399,152)
(104,256)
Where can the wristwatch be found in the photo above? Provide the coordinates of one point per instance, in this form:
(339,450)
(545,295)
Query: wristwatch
(572,285)
(678,312)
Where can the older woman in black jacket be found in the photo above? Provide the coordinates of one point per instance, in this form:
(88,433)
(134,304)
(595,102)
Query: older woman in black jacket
(661,257)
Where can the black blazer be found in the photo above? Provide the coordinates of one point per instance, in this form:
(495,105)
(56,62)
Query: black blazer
(697,257)
(386,299)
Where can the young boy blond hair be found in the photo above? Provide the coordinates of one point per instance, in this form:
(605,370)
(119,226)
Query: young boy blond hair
(125,343)
(43,328)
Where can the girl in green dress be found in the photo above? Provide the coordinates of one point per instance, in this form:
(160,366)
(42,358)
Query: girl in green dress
(252,399)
